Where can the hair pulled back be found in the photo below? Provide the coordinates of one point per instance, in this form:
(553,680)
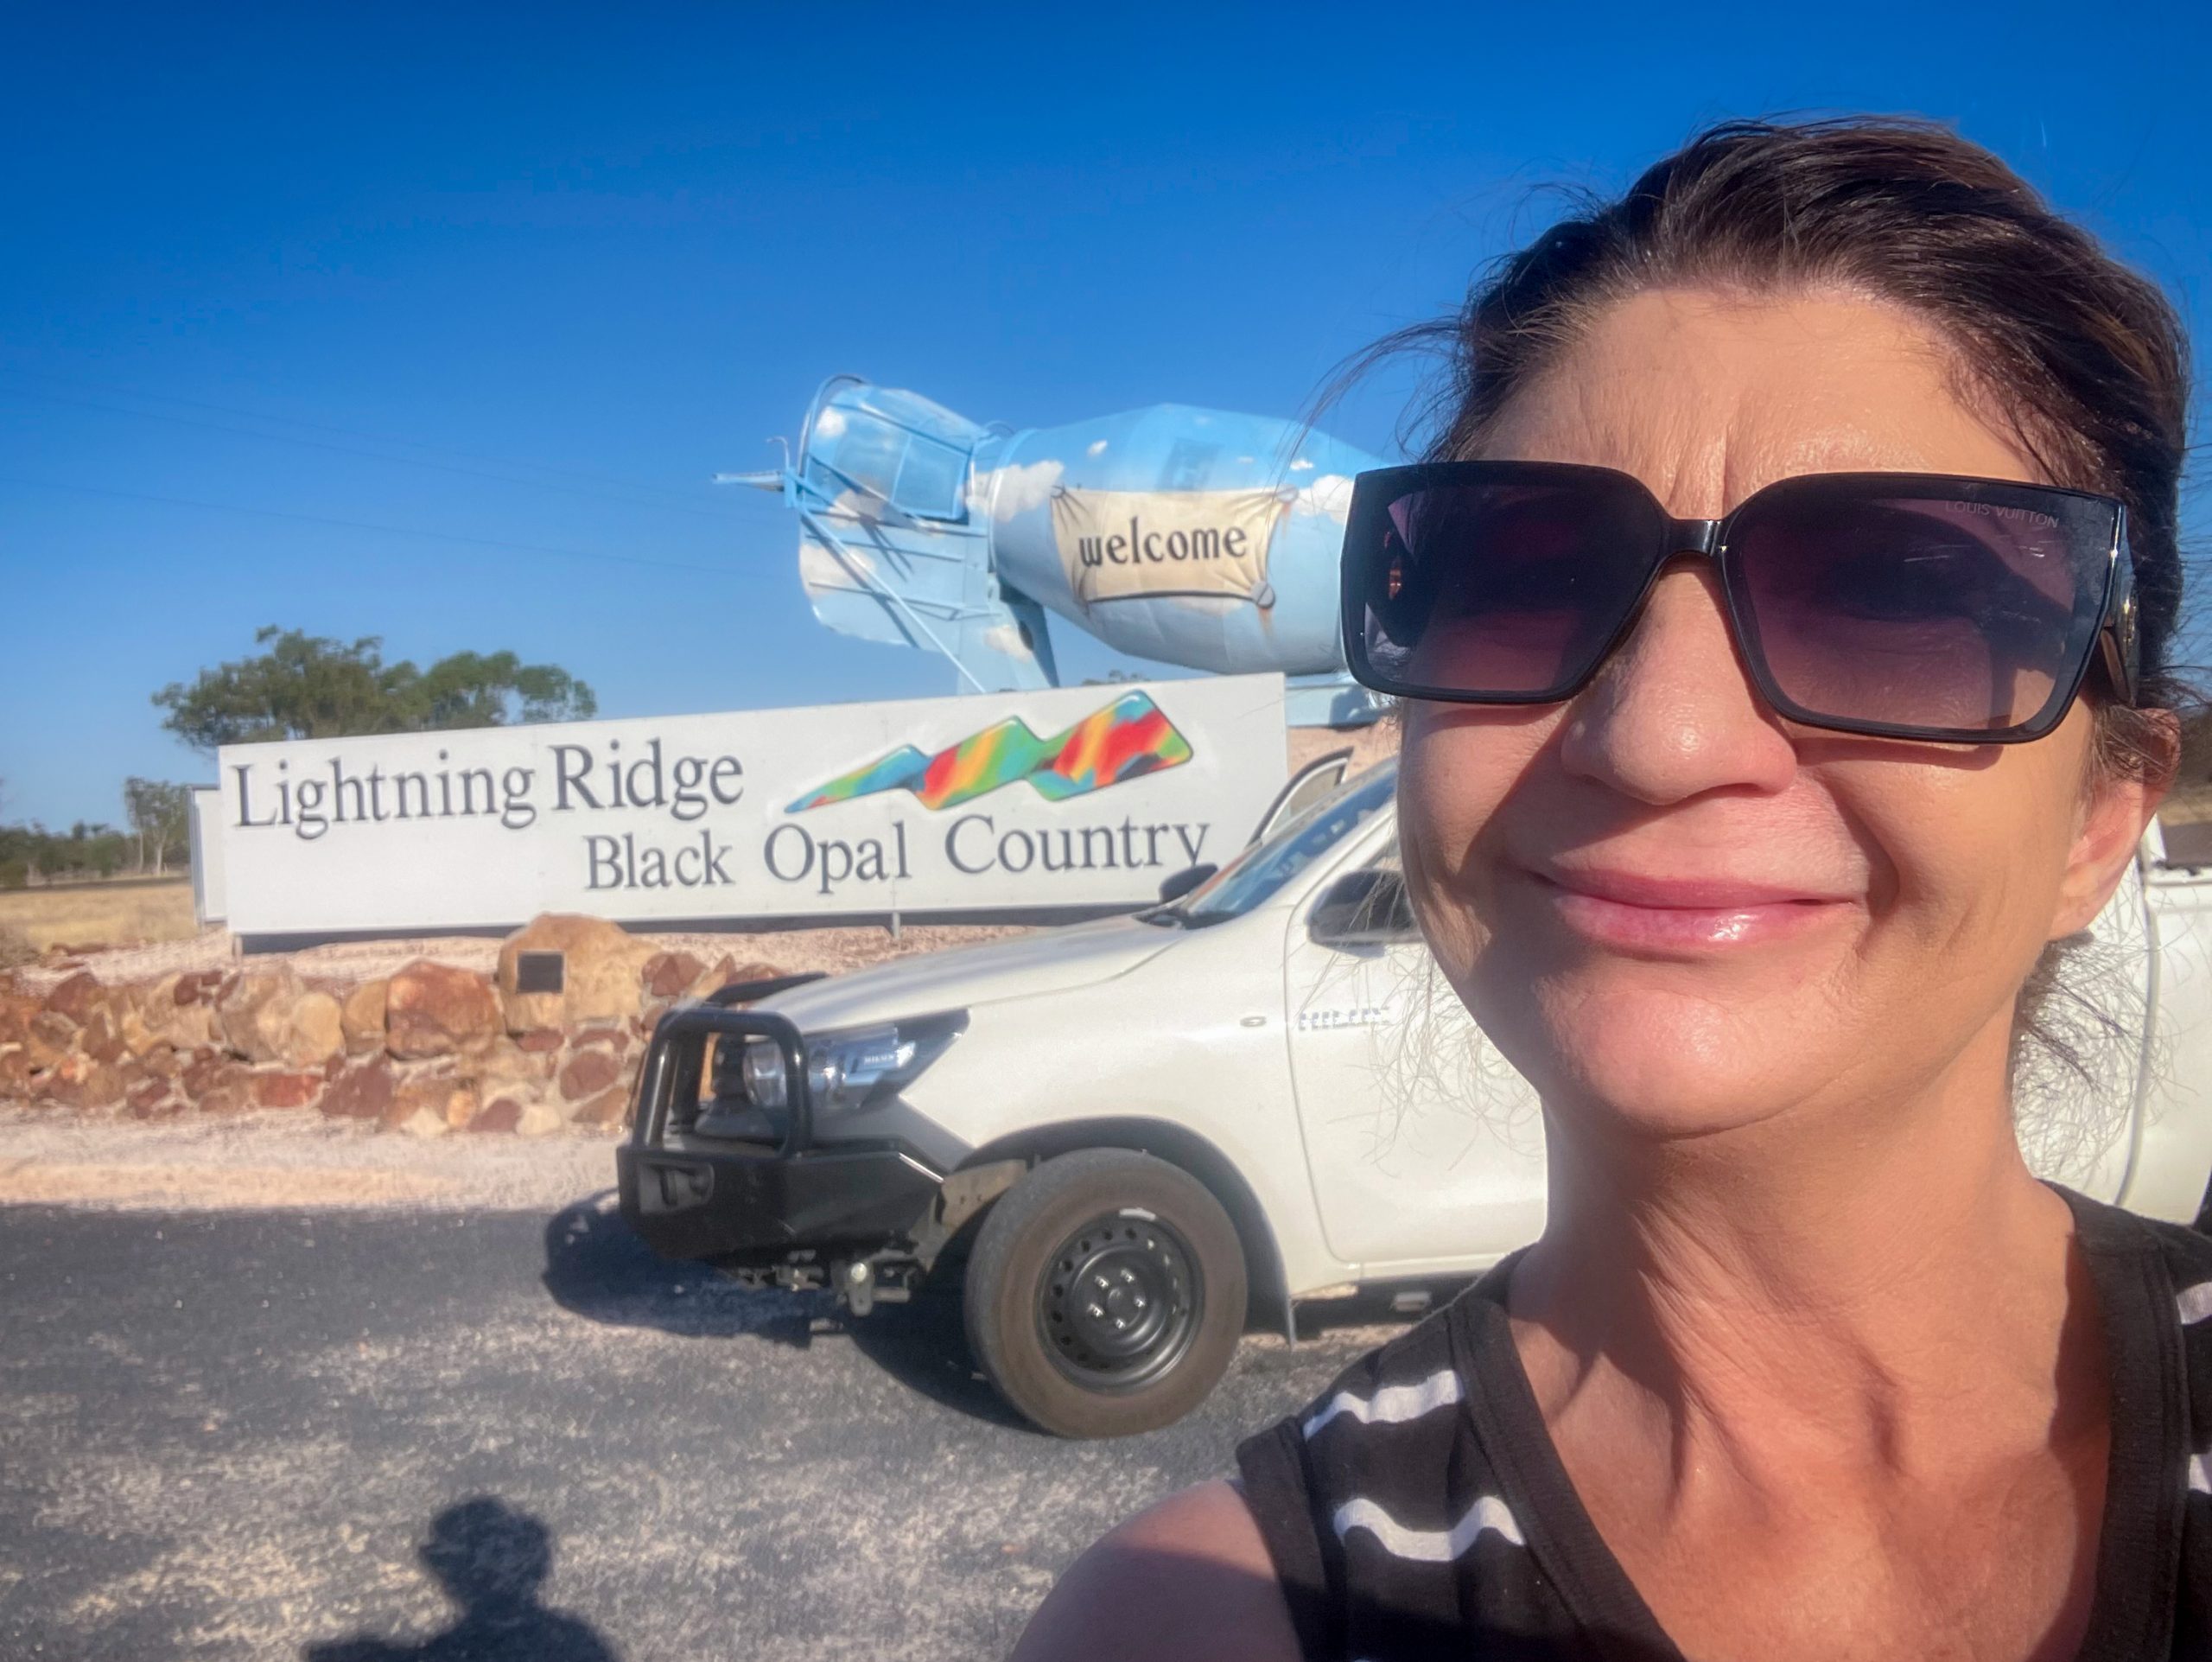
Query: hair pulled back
(2082,358)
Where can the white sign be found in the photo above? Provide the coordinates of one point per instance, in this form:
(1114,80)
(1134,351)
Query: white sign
(1076,798)
(204,823)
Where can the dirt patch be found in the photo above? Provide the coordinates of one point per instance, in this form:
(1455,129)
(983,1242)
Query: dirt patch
(258,1161)
(832,951)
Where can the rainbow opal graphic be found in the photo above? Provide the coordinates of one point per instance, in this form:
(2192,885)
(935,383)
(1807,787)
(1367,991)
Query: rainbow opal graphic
(1123,741)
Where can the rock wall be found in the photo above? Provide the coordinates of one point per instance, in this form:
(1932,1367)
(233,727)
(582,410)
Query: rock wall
(430,1048)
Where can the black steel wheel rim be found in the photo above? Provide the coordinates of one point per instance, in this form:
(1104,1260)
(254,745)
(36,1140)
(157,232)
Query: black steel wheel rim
(1119,1301)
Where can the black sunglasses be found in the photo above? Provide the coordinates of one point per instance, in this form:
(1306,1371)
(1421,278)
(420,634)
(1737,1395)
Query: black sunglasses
(1910,606)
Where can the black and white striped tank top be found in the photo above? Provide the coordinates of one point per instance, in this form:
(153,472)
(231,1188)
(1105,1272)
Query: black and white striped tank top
(1419,1509)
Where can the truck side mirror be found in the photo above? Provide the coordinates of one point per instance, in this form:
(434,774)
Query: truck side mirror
(1182,882)
(1366,908)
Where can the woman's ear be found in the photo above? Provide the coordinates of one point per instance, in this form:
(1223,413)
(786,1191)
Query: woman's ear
(2128,779)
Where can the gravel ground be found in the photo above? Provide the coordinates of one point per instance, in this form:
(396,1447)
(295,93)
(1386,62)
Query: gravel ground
(791,949)
(511,1435)
(287,1159)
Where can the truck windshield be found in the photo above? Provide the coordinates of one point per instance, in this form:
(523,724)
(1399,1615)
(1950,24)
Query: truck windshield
(1266,866)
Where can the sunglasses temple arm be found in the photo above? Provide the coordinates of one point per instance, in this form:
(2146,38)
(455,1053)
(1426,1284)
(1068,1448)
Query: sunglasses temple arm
(2117,633)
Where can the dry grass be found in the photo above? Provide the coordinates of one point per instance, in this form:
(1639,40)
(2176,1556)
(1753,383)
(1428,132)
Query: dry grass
(82,915)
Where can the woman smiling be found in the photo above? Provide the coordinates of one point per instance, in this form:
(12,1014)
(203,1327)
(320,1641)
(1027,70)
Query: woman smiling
(1781,622)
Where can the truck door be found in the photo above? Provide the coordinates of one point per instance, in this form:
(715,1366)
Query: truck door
(1426,1149)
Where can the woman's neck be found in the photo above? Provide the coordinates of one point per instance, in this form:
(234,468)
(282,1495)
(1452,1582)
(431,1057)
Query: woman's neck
(1822,1285)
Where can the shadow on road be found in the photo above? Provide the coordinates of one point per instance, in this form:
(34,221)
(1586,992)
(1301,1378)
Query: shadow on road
(595,1267)
(491,1560)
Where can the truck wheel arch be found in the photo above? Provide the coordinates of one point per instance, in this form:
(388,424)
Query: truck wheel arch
(1268,1296)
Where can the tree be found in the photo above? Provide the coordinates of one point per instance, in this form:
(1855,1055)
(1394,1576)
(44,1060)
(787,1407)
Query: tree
(312,687)
(160,816)
(33,854)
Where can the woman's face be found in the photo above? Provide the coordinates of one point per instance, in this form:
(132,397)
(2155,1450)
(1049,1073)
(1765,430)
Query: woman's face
(1674,910)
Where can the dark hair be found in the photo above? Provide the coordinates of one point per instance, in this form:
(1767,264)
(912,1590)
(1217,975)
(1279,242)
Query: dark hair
(2081,357)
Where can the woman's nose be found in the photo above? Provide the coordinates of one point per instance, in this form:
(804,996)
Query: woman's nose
(1673,714)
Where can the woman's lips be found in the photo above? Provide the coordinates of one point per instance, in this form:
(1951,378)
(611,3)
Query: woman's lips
(1639,912)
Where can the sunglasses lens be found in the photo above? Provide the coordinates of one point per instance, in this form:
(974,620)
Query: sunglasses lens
(1965,615)
(1508,590)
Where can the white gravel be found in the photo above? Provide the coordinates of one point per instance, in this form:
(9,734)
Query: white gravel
(790,951)
(287,1159)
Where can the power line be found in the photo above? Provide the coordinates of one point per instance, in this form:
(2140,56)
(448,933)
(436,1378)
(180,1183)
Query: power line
(355,450)
(362,525)
(559,470)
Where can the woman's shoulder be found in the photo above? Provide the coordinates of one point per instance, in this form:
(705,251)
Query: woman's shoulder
(1399,1389)
(2183,1250)
(1187,1580)
(1243,1570)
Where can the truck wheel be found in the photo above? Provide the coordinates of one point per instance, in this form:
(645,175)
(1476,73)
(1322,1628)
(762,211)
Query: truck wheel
(1106,1294)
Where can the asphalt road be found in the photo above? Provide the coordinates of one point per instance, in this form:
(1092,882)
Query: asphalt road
(344,1435)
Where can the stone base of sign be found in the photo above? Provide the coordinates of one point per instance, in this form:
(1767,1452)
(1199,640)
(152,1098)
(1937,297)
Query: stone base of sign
(430,1048)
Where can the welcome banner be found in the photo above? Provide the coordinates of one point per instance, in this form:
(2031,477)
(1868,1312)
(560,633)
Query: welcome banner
(1139,545)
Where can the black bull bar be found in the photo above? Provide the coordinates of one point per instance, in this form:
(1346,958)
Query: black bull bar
(754,1200)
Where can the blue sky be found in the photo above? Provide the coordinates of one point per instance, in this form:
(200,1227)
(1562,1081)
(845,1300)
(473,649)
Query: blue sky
(526,277)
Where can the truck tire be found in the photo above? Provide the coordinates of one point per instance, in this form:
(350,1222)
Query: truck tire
(1106,1294)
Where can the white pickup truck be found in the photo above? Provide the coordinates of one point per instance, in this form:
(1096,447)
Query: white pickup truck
(1133,1137)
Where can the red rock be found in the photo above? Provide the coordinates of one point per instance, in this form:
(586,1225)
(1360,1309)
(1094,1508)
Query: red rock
(51,1036)
(102,1037)
(197,988)
(610,1108)
(215,1083)
(16,1009)
(669,975)
(232,1098)
(284,1090)
(503,1115)
(77,997)
(15,1073)
(362,1015)
(539,1039)
(589,1073)
(613,1039)
(147,1095)
(270,1017)
(362,1091)
(205,1074)
(446,1097)
(435,1009)
(80,1082)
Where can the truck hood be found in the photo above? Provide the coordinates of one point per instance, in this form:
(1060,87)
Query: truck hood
(1047,960)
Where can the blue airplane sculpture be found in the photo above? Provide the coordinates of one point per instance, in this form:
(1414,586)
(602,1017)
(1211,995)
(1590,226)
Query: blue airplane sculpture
(1189,536)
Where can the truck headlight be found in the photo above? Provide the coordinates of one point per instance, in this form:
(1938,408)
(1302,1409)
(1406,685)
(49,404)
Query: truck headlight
(855,1067)
(763,1073)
